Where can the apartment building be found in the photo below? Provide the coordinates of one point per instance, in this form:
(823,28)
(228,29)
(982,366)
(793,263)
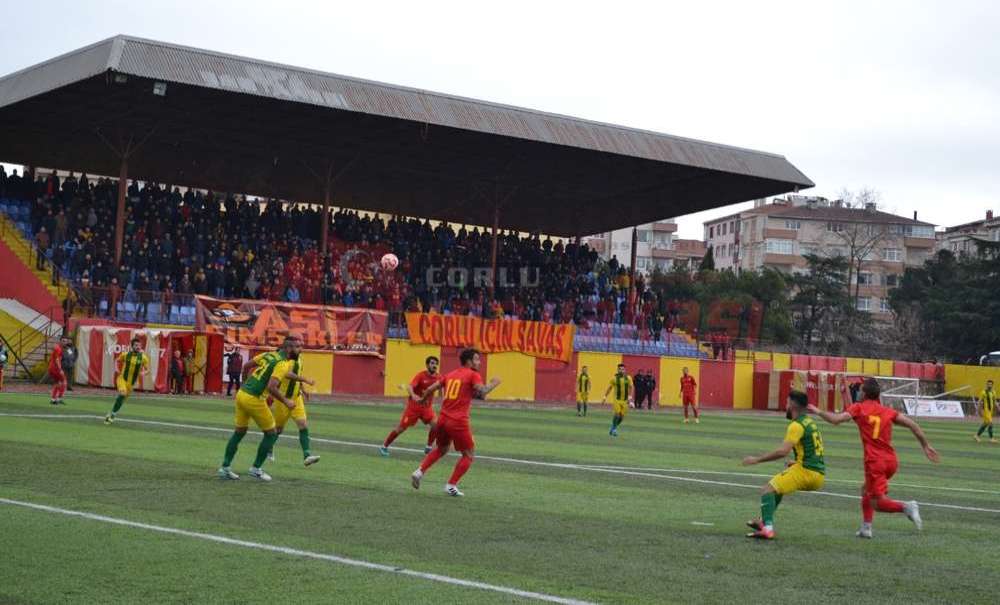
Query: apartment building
(656,246)
(779,235)
(962,239)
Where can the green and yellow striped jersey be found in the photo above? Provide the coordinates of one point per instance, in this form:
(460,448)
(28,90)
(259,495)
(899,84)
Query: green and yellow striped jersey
(583,383)
(132,364)
(988,399)
(621,387)
(267,363)
(808,444)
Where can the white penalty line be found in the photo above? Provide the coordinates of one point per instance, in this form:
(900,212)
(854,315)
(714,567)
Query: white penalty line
(648,473)
(295,552)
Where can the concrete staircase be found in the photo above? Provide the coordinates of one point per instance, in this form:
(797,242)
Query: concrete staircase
(21,247)
(30,337)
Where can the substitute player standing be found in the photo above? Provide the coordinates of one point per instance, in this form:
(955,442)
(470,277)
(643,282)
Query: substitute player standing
(56,372)
(875,422)
(807,473)
(131,364)
(460,386)
(419,406)
(689,387)
(582,391)
(987,405)
(621,384)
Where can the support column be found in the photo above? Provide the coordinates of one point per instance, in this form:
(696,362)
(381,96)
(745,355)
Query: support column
(631,282)
(325,228)
(120,213)
(493,257)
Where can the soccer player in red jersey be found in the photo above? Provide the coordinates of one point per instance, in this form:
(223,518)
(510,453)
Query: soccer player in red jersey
(875,422)
(418,406)
(460,386)
(688,387)
(56,372)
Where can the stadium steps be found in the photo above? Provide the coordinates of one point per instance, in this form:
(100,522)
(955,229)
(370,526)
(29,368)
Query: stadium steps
(30,335)
(21,247)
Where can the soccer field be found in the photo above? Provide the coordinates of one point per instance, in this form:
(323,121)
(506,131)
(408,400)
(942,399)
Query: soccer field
(554,507)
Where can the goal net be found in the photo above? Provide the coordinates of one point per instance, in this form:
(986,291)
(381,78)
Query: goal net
(895,391)
(829,390)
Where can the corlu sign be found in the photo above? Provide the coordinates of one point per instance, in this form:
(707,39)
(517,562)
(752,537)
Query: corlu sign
(262,323)
(535,338)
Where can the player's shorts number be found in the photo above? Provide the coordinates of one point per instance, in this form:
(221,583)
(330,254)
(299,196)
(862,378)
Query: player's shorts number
(451,391)
(876,422)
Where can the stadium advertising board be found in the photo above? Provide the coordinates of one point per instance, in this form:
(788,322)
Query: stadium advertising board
(264,324)
(934,408)
(535,338)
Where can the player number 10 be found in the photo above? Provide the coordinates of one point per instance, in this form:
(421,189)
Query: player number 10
(451,390)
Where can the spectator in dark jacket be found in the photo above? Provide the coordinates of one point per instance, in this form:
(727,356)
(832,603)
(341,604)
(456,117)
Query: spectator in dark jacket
(235,370)
(177,373)
(68,363)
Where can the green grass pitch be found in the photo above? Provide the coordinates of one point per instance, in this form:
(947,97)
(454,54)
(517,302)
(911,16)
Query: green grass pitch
(654,516)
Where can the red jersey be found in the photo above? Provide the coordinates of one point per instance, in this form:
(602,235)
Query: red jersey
(420,383)
(688,384)
(55,360)
(874,422)
(459,388)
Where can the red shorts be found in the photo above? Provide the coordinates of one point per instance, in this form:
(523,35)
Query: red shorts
(877,475)
(414,412)
(457,432)
(57,375)
(688,399)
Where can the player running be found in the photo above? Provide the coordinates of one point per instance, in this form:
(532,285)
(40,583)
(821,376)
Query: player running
(419,406)
(460,386)
(688,388)
(582,391)
(807,473)
(270,369)
(131,364)
(291,386)
(875,422)
(56,372)
(623,387)
(987,405)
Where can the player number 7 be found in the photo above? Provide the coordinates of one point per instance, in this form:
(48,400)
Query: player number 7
(876,422)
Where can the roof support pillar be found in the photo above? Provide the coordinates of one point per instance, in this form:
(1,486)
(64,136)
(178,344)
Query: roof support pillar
(120,212)
(324,231)
(493,256)
(630,302)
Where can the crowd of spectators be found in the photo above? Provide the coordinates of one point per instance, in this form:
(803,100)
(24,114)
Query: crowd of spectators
(192,242)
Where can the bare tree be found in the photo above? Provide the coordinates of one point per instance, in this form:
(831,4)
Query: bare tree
(860,238)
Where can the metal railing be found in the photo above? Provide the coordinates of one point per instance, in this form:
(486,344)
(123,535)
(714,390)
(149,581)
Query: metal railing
(31,343)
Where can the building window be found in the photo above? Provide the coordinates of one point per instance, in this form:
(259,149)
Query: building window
(922,231)
(891,280)
(884,305)
(892,255)
(864,303)
(835,227)
(732,249)
(732,226)
(836,251)
(865,279)
(722,229)
(790,224)
(642,235)
(780,246)
(737,227)
(711,232)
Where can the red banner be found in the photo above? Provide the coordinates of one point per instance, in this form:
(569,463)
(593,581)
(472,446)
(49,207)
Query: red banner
(535,338)
(262,323)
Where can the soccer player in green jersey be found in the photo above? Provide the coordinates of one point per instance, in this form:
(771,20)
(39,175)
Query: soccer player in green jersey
(621,384)
(807,473)
(987,405)
(269,369)
(582,391)
(131,364)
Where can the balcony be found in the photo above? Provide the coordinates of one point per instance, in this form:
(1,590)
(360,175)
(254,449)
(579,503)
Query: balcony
(665,227)
(919,242)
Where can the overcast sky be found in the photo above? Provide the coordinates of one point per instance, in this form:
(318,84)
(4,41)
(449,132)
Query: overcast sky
(902,97)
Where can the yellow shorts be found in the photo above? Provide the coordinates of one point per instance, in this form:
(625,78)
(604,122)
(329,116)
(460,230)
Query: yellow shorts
(249,406)
(620,408)
(582,397)
(797,478)
(282,413)
(987,417)
(124,386)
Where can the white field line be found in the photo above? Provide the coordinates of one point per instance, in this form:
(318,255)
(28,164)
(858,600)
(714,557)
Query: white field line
(651,473)
(295,552)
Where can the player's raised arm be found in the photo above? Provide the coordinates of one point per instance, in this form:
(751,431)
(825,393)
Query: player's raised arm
(483,389)
(293,376)
(833,418)
(918,432)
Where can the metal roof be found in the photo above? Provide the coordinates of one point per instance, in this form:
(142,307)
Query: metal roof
(641,174)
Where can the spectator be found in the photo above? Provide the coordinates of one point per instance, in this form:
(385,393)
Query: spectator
(650,384)
(69,362)
(292,294)
(639,383)
(189,372)
(42,241)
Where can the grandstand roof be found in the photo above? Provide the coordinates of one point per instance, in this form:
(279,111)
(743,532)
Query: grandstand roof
(236,124)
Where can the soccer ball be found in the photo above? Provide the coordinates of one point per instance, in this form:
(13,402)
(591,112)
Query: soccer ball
(390,262)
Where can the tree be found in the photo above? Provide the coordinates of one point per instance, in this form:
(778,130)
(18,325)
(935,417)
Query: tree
(707,262)
(821,301)
(860,239)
